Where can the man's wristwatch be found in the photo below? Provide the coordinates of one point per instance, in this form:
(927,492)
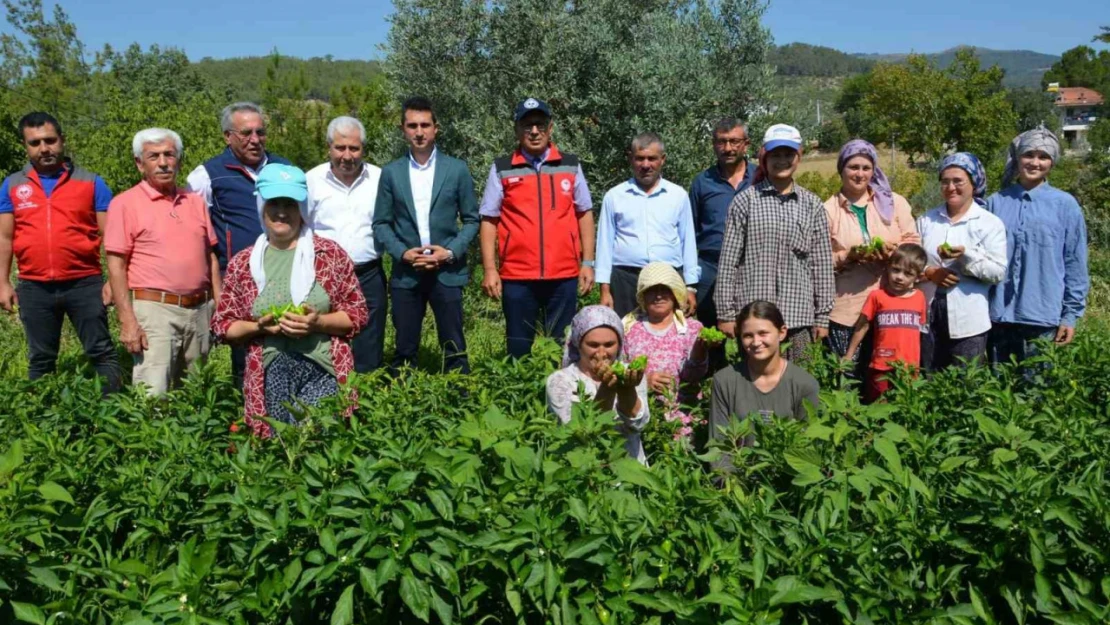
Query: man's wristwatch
(450,256)
(588,263)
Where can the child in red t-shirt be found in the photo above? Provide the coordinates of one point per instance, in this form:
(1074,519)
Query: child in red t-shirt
(898,311)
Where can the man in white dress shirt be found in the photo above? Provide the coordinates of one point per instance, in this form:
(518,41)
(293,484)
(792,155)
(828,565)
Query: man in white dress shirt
(341,196)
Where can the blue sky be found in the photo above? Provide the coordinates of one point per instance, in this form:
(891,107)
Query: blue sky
(353,29)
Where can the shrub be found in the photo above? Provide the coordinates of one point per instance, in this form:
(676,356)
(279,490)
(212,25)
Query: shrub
(962,500)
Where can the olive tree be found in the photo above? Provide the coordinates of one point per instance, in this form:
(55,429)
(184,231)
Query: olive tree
(608,68)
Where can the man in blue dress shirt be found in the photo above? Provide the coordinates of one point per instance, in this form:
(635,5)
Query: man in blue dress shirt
(643,220)
(711,194)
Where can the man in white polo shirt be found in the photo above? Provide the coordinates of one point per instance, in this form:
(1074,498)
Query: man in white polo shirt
(341,195)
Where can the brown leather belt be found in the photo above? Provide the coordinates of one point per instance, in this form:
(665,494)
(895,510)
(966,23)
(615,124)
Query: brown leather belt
(192,300)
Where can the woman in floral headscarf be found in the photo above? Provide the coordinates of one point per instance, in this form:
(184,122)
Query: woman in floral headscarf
(1044,290)
(866,208)
(967,254)
(596,341)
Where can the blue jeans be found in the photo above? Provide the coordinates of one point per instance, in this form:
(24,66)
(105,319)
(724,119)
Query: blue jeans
(521,300)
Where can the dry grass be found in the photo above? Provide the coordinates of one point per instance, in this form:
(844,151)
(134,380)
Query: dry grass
(824,163)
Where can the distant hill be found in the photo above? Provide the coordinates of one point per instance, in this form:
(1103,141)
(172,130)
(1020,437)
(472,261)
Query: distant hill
(1024,68)
(802,59)
(243,76)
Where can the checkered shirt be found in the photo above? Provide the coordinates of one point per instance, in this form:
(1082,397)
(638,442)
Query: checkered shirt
(777,248)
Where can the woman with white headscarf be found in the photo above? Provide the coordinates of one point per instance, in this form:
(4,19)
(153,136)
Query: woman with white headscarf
(1044,290)
(295,358)
(595,343)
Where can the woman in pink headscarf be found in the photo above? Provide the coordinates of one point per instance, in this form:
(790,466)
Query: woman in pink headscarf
(865,209)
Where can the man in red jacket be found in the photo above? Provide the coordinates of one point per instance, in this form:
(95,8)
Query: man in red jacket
(52,215)
(537,232)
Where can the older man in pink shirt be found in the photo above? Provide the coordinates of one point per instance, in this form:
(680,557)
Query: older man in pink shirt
(162,266)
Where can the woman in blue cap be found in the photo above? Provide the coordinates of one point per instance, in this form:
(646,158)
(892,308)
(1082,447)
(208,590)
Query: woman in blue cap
(294,300)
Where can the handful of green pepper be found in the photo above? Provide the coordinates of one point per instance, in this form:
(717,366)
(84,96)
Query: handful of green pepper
(278,311)
(871,249)
(622,370)
(712,335)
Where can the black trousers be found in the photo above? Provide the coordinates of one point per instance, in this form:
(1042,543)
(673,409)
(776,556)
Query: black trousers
(622,286)
(43,307)
(409,306)
(368,345)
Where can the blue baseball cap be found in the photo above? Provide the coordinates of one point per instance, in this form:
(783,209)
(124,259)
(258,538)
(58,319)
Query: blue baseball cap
(781,135)
(277,180)
(528,105)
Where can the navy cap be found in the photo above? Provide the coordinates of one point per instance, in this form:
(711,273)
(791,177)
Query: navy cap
(529,105)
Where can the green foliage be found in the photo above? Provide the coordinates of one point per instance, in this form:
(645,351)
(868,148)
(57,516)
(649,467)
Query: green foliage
(1033,108)
(609,69)
(833,134)
(802,59)
(928,111)
(1082,66)
(970,495)
(244,77)
(1023,68)
(1099,135)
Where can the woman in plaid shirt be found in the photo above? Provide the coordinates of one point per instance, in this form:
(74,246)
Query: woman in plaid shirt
(776,247)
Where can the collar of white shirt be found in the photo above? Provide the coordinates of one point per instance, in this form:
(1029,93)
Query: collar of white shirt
(431,161)
(362,174)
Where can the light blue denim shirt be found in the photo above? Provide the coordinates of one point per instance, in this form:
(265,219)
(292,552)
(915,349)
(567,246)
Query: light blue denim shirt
(1046,279)
(637,228)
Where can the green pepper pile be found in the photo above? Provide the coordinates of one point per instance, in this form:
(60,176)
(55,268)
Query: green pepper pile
(638,364)
(870,249)
(278,311)
(712,335)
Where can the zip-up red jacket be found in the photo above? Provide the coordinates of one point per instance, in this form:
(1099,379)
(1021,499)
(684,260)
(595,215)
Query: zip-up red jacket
(537,233)
(56,237)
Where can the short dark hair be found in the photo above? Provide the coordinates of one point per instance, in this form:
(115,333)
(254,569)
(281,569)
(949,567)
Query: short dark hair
(761,309)
(728,124)
(910,256)
(417,103)
(38,119)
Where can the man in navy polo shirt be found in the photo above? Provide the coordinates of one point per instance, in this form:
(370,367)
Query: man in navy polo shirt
(226,182)
(711,195)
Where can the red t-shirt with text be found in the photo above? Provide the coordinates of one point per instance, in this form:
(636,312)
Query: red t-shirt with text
(897,323)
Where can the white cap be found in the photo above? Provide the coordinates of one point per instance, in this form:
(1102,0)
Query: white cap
(782,135)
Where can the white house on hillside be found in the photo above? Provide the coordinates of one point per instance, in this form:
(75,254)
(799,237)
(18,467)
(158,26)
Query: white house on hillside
(1077,107)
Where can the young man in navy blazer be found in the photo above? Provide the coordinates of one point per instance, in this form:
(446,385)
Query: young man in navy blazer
(425,217)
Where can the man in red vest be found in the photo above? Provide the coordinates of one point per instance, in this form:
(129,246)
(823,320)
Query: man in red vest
(52,215)
(537,232)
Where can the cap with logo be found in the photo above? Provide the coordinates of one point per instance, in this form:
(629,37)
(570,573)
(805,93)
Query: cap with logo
(528,105)
(781,135)
(277,180)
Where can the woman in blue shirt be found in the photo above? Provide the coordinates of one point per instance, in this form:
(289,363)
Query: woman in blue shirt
(1044,291)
